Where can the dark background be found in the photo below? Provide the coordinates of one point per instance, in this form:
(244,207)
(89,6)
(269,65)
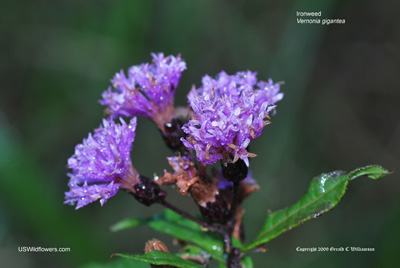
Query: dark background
(340,111)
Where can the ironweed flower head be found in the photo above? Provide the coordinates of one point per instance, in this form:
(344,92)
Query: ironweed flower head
(228,113)
(101,164)
(148,90)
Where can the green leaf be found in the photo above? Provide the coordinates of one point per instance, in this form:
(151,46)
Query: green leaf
(129,223)
(160,258)
(183,229)
(247,262)
(373,172)
(120,263)
(190,252)
(324,193)
(179,227)
(221,265)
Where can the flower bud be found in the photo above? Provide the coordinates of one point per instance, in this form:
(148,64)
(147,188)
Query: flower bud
(235,172)
(147,192)
(215,211)
(172,134)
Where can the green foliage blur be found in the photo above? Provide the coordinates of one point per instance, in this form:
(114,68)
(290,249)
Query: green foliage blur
(340,111)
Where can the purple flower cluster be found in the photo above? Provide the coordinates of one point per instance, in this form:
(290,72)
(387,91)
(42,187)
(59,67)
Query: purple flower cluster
(148,90)
(228,113)
(101,165)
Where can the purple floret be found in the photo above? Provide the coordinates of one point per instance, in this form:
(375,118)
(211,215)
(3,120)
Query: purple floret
(101,164)
(268,92)
(148,90)
(228,113)
(85,194)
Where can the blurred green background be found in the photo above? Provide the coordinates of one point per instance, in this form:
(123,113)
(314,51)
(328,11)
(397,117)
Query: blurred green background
(340,111)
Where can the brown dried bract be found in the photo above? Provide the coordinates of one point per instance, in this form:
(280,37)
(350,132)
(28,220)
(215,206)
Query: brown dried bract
(247,189)
(184,176)
(189,179)
(237,229)
(155,244)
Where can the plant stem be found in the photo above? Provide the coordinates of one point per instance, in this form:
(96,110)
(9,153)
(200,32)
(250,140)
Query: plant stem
(226,231)
(192,218)
(233,260)
(235,200)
